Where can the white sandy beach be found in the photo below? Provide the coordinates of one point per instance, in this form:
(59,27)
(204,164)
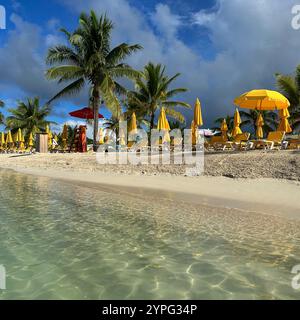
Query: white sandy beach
(261,194)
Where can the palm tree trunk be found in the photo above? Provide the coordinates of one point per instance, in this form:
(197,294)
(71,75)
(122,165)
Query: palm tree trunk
(96,99)
(152,120)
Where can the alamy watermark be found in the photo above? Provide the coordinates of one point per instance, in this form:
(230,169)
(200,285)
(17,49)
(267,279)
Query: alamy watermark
(2,278)
(2,17)
(296,279)
(161,147)
(295,23)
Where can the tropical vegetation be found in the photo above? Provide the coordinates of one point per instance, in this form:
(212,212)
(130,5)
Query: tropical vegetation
(89,59)
(153,92)
(29,116)
(289,85)
(1,114)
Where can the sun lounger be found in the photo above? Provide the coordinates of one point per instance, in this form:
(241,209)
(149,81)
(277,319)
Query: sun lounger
(275,139)
(241,141)
(293,142)
(218,143)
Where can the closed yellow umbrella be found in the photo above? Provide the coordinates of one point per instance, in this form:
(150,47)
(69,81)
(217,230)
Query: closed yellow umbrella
(262,100)
(122,138)
(198,114)
(101,136)
(259,125)
(50,136)
(2,140)
(237,121)
(224,129)
(132,125)
(9,138)
(163,123)
(284,123)
(21,140)
(194,129)
(30,140)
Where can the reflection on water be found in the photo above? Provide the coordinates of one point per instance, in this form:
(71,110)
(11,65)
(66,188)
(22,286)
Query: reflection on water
(62,241)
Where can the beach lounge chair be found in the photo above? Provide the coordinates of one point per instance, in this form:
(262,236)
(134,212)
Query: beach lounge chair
(241,141)
(293,142)
(219,143)
(275,139)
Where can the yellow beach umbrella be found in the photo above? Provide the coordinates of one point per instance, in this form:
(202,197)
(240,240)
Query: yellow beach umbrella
(9,139)
(2,139)
(132,125)
(198,114)
(21,139)
(259,125)
(30,140)
(122,138)
(284,123)
(194,129)
(163,123)
(237,121)
(101,136)
(262,100)
(224,129)
(50,136)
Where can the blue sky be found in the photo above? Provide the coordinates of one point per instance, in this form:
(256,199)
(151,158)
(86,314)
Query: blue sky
(221,47)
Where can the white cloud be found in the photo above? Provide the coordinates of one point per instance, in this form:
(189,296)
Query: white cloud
(252,39)
(165,21)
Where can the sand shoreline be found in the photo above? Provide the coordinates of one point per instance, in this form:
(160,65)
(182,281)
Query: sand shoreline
(268,195)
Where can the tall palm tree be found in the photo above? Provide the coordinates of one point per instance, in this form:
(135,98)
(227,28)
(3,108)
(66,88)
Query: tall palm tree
(1,115)
(249,119)
(152,92)
(88,58)
(290,87)
(29,116)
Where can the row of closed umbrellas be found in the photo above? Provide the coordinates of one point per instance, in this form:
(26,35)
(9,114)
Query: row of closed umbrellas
(256,99)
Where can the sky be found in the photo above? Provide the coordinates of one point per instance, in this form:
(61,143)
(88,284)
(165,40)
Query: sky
(222,48)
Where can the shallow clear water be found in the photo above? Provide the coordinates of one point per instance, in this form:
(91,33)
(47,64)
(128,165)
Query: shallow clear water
(62,241)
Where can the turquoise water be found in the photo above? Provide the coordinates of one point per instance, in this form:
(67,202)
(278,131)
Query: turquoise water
(62,241)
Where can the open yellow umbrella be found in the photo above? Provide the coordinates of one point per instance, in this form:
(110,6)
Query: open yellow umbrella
(284,123)
(30,140)
(237,121)
(132,125)
(224,129)
(259,125)
(198,114)
(262,100)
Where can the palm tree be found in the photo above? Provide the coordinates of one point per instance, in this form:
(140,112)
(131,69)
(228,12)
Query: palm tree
(152,92)
(89,59)
(229,120)
(290,87)
(249,119)
(1,115)
(29,116)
